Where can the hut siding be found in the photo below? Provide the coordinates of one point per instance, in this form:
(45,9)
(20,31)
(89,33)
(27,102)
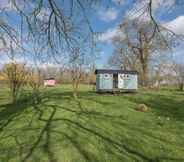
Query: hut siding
(125,82)
(130,82)
(104,81)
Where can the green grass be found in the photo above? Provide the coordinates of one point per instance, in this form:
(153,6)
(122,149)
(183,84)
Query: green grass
(94,128)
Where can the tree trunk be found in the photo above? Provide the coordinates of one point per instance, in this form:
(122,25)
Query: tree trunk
(145,77)
(181,86)
(75,89)
(13,92)
(13,97)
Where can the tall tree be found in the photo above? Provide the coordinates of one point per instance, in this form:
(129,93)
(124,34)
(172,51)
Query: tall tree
(138,42)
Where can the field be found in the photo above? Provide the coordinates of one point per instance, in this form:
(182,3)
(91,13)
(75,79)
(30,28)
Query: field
(93,128)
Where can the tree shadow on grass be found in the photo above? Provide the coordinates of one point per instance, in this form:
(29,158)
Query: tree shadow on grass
(162,105)
(80,130)
(9,111)
(117,147)
(68,96)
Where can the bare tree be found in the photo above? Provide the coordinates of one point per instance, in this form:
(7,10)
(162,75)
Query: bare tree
(179,73)
(138,43)
(122,58)
(16,75)
(55,29)
(92,76)
(76,65)
(160,69)
(35,81)
(54,25)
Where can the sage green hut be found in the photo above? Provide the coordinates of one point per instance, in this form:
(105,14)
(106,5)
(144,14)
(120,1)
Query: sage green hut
(108,80)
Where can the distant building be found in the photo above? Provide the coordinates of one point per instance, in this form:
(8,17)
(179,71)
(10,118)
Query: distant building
(116,80)
(49,82)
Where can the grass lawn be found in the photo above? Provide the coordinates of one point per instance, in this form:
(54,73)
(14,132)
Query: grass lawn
(94,128)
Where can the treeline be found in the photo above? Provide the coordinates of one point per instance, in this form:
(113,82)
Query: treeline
(18,75)
(142,46)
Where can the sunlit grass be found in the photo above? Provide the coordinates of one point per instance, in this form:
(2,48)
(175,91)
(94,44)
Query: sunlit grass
(93,128)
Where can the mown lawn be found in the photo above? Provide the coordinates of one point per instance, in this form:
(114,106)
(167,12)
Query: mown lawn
(94,128)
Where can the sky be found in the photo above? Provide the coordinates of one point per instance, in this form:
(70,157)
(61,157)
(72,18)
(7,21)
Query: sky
(110,13)
(169,13)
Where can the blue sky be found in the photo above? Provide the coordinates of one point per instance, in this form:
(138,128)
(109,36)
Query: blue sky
(167,12)
(107,15)
(107,18)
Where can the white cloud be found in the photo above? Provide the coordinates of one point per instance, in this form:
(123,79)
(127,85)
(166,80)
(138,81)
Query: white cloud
(49,65)
(176,25)
(108,14)
(9,5)
(6,43)
(5,59)
(166,4)
(178,56)
(2,43)
(119,2)
(6,5)
(44,14)
(140,9)
(108,36)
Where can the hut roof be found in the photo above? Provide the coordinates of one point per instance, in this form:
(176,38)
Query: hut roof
(113,71)
(49,79)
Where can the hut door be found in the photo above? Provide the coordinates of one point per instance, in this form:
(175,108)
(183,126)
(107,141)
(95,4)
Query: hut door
(120,81)
(115,80)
